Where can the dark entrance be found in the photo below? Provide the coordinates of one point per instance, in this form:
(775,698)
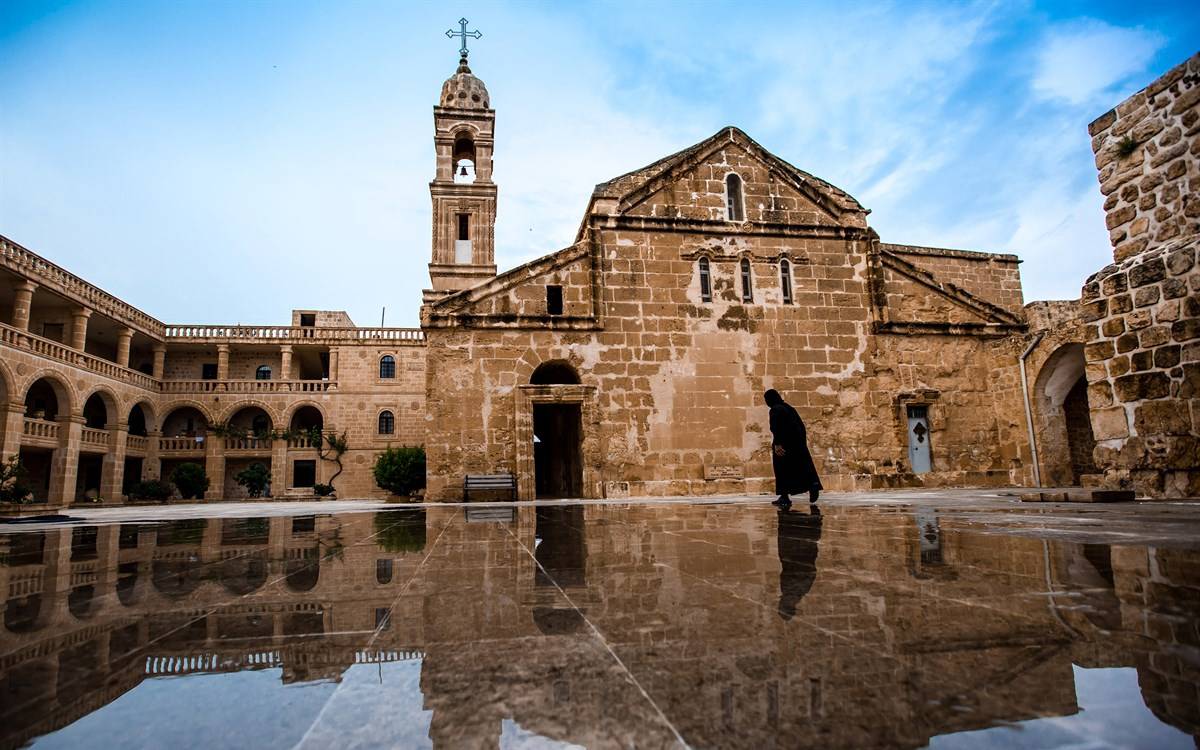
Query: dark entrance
(557,457)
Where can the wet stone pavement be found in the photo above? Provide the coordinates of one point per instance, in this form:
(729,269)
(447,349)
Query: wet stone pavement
(898,621)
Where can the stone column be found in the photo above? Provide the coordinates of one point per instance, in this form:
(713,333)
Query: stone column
(79,326)
(112,474)
(64,467)
(152,464)
(285,364)
(160,361)
(22,304)
(333,365)
(279,462)
(124,337)
(14,428)
(214,466)
(222,361)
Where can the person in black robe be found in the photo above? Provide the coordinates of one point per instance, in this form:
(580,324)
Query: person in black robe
(799,537)
(793,464)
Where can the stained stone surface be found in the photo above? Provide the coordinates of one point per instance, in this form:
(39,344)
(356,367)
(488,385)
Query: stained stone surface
(901,619)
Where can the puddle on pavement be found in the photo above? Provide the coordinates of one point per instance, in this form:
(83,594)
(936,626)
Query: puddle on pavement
(597,626)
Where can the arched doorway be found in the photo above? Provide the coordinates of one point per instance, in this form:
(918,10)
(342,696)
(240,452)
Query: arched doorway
(42,451)
(1064,426)
(557,436)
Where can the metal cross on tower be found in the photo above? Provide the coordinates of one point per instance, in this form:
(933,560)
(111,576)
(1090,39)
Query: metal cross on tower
(463,33)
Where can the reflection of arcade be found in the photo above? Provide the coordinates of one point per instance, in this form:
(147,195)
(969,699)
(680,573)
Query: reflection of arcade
(902,631)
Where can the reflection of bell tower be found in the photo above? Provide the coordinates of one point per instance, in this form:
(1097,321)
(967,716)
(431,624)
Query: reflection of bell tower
(464,196)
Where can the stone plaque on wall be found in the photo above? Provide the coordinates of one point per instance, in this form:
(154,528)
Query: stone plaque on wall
(723,471)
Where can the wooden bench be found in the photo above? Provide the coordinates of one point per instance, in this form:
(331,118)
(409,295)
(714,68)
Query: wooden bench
(485,482)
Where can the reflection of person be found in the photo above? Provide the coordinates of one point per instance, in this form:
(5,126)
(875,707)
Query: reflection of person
(793,464)
(799,536)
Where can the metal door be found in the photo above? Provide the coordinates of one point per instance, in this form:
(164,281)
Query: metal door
(918,439)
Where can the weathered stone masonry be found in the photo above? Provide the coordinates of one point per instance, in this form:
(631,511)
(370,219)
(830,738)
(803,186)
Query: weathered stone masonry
(1143,311)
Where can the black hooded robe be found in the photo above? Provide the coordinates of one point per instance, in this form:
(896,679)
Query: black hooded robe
(794,471)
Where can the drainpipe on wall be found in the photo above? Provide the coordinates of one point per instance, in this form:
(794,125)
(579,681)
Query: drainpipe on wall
(1037,473)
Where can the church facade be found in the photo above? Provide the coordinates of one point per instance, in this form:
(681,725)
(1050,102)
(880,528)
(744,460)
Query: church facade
(630,363)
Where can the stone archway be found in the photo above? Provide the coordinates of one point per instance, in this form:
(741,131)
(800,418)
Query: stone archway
(1062,420)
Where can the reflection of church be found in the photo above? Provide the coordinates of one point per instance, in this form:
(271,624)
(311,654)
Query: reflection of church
(902,633)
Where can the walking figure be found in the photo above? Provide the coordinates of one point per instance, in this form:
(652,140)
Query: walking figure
(793,464)
(799,539)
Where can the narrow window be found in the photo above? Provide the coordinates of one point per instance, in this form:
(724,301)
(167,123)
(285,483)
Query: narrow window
(262,373)
(705,281)
(387,366)
(554,300)
(387,423)
(383,571)
(462,245)
(304,473)
(383,618)
(464,226)
(747,289)
(208,371)
(733,198)
(785,280)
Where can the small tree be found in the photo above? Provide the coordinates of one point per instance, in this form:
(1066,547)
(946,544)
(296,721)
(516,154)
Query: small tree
(401,470)
(151,489)
(13,487)
(254,478)
(190,479)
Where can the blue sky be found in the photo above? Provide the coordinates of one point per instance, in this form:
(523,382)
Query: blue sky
(151,147)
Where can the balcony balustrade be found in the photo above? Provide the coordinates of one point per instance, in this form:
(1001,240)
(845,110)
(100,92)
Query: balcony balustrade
(137,443)
(93,436)
(62,353)
(192,444)
(41,428)
(293,334)
(247,386)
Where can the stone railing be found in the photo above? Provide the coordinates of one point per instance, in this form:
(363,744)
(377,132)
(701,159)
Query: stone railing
(29,264)
(247,386)
(41,428)
(62,353)
(247,444)
(93,436)
(137,443)
(294,335)
(180,444)
(24,583)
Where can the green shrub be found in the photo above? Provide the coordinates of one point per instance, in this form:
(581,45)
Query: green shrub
(400,530)
(254,478)
(323,490)
(13,487)
(190,479)
(401,470)
(151,489)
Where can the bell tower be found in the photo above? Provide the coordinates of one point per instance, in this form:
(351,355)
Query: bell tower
(464,196)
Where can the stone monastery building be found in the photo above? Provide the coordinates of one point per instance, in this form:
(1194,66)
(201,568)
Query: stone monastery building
(630,363)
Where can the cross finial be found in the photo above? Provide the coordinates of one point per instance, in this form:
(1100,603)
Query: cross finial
(463,33)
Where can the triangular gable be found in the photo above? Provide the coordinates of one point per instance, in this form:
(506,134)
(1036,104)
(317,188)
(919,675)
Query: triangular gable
(498,301)
(975,312)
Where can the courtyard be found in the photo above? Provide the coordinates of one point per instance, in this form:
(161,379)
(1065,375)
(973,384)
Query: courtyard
(907,618)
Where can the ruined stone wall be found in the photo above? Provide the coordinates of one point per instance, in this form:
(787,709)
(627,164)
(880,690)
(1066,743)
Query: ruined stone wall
(1143,314)
(993,277)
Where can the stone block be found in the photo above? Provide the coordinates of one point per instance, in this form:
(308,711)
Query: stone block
(1093,311)
(1090,291)
(1129,249)
(1147,273)
(1142,386)
(1161,418)
(1138,320)
(1115,284)
(1185,330)
(1118,365)
(1110,424)
(1141,361)
(1103,122)
(1155,336)
(1113,327)
(1145,296)
(1174,288)
(1120,304)
(1166,357)
(1127,342)
(1101,350)
(1099,394)
(1189,387)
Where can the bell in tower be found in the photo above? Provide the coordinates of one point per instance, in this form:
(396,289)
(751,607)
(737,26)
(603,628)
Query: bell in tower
(464,196)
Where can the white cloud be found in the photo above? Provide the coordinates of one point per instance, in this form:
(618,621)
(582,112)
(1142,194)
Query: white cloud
(1081,61)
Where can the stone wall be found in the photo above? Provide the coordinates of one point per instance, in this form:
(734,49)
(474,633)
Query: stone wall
(1143,312)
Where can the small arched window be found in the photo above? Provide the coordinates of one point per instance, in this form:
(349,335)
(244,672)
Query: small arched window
(747,282)
(734,207)
(387,423)
(263,372)
(785,280)
(705,281)
(383,571)
(387,366)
